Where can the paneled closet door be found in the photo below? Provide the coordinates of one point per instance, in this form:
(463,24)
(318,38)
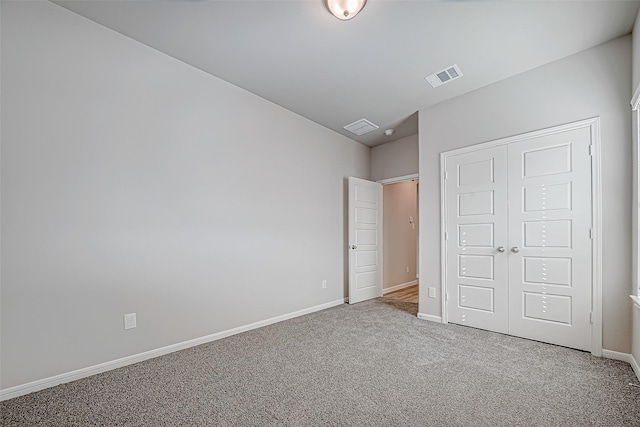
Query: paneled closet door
(549,238)
(476,239)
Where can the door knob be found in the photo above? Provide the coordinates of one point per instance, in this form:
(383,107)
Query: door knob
(515,249)
(500,249)
(354,247)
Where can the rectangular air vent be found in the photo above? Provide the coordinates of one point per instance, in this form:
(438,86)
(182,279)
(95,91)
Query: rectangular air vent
(361,127)
(444,76)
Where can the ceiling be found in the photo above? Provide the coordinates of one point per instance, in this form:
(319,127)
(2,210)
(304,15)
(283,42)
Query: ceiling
(297,55)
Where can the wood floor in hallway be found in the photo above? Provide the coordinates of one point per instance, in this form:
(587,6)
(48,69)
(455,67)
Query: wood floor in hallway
(408,294)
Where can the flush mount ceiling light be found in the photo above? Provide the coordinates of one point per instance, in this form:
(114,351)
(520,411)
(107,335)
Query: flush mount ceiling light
(345,9)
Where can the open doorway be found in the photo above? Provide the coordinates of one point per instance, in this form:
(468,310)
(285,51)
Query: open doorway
(400,236)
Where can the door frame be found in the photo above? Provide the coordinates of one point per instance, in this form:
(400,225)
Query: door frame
(396,180)
(596,216)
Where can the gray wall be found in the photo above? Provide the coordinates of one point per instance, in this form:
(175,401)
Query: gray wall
(636,54)
(400,201)
(394,159)
(132,182)
(592,83)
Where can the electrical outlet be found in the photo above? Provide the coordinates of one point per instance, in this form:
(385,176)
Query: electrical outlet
(130,321)
(432,292)
(324,284)
(407,268)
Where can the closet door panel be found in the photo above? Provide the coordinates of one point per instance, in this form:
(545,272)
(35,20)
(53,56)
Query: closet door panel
(476,227)
(549,196)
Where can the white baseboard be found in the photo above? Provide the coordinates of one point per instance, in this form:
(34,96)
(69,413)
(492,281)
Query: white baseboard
(635,366)
(616,355)
(21,390)
(430,317)
(625,357)
(398,287)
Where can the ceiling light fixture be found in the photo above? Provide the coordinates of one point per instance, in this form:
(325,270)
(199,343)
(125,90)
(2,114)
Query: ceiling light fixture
(345,9)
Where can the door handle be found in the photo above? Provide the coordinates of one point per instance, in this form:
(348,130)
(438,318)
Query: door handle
(354,247)
(515,249)
(500,249)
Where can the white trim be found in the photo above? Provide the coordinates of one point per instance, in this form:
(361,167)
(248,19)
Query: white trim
(398,179)
(616,355)
(430,317)
(635,274)
(596,226)
(635,101)
(636,301)
(635,366)
(596,191)
(524,136)
(21,390)
(398,287)
(443,235)
(623,357)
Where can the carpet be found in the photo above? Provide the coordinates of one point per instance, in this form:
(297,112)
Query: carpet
(370,364)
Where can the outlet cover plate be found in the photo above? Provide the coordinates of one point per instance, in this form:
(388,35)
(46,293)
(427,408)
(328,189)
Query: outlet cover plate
(130,321)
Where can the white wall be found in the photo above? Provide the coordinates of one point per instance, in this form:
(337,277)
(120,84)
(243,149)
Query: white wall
(400,202)
(132,182)
(394,159)
(592,83)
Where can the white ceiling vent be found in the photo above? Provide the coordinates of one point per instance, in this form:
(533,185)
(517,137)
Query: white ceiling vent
(361,127)
(444,76)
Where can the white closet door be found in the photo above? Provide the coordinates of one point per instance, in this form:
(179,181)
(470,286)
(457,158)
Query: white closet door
(549,239)
(476,186)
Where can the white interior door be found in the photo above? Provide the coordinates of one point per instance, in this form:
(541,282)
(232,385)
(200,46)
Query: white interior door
(365,240)
(518,237)
(476,239)
(549,239)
